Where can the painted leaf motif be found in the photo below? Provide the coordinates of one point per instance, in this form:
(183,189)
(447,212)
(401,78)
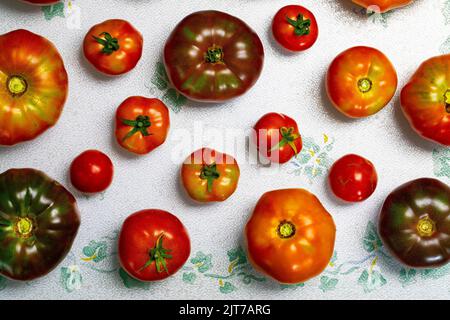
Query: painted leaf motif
(174,100)
(189,277)
(160,79)
(71,278)
(55,10)
(131,282)
(292,286)
(227,287)
(327,283)
(95,251)
(371,240)
(407,276)
(446,11)
(371,280)
(435,273)
(3,283)
(441,161)
(202,261)
(237,256)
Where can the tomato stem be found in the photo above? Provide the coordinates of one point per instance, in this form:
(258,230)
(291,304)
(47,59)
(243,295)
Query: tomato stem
(447,100)
(301,25)
(109,43)
(426,227)
(140,124)
(286,229)
(365,85)
(158,254)
(214,55)
(16,85)
(209,173)
(288,137)
(24,227)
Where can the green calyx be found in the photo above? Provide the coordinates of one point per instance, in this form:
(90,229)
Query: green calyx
(288,137)
(109,43)
(140,124)
(301,25)
(158,254)
(214,55)
(209,173)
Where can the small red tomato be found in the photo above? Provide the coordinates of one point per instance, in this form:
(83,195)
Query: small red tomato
(142,124)
(92,171)
(153,245)
(353,178)
(113,47)
(277,137)
(295,28)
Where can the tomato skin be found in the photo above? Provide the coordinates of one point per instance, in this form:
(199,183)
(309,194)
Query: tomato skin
(228,71)
(426,104)
(361,81)
(290,258)
(383,5)
(353,178)
(135,109)
(32,95)
(92,171)
(139,234)
(222,187)
(123,59)
(41,2)
(414,223)
(284,32)
(268,135)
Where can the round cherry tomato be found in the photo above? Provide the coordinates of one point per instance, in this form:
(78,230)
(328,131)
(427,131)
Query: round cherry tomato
(92,171)
(414,223)
(41,2)
(353,178)
(153,245)
(142,124)
(209,175)
(295,28)
(113,47)
(33,86)
(290,235)
(382,5)
(277,137)
(361,81)
(212,56)
(425,100)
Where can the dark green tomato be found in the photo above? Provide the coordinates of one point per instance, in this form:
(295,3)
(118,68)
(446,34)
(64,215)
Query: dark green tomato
(415,223)
(39,220)
(212,56)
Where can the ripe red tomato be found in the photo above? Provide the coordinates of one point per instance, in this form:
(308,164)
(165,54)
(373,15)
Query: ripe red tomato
(353,178)
(383,5)
(153,245)
(142,124)
(113,47)
(209,175)
(361,81)
(92,171)
(41,2)
(295,28)
(277,137)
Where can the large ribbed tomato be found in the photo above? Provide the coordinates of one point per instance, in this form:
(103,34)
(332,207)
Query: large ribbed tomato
(382,5)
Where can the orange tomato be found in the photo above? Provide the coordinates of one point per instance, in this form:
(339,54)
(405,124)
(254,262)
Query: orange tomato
(361,81)
(383,5)
(142,124)
(290,236)
(209,175)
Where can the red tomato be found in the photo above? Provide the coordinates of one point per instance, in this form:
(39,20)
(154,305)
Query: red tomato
(295,28)
(41,2)
(92,171)
(142,124)
(113,47)
(382,5)
(353,178)
(277,137)
(153,245)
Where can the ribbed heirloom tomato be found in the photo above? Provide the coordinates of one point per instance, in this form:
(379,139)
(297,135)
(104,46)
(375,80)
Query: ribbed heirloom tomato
(33,86)
(212,56)
(290,235)
(153,245)
(209,175)
(425,100)
(277,137)
(383,5)
(361,81)
(142,124)
(113,47)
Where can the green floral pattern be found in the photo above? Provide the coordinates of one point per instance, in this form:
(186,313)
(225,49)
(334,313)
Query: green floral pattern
(441,162)
(52,11)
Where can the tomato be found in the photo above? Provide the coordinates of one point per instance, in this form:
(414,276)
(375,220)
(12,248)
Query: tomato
(277,137)
(42,2)
(212,56)
(33,86)
(414,223)
(113,47)
(209,175)
(39,220)
(153,245)
(295,28)
(382,5)
(425,100)
(290,235)
(92,171)
(353,178)
(142,124)
(361,81)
